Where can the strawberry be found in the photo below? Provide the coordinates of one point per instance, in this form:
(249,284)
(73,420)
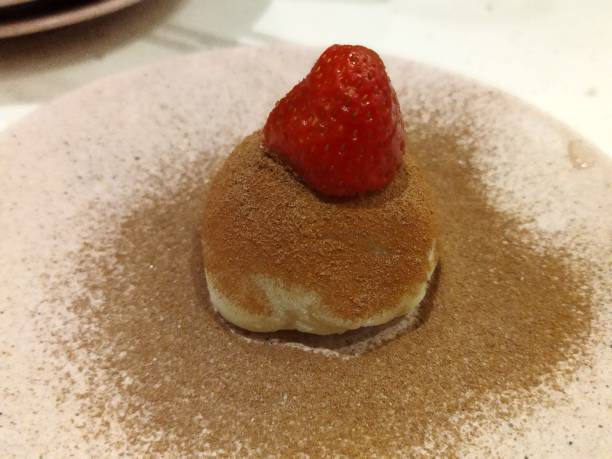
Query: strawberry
(340,129)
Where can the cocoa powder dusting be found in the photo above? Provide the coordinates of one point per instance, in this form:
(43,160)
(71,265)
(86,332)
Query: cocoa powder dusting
(498,321)
(359,255)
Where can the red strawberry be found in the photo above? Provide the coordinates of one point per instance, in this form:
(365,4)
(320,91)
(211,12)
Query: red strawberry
(340,128)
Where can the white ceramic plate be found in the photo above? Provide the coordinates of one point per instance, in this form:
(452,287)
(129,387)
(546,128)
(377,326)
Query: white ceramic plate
(100,146)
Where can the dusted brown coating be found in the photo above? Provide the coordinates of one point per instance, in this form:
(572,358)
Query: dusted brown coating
(361,255)
(499,319)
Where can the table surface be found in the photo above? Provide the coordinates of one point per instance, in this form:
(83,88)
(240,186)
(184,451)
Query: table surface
(556,54)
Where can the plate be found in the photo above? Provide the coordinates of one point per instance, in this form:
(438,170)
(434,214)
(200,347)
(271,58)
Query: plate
(55,19)
(7,3)
(98,184)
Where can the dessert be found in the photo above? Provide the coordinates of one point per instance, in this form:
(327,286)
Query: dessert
(321,222)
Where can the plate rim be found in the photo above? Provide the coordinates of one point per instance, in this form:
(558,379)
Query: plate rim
(52,21)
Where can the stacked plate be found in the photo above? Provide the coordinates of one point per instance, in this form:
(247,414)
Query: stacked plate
(21,17)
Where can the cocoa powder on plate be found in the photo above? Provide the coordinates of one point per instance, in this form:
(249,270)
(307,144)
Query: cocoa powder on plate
(498,321)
